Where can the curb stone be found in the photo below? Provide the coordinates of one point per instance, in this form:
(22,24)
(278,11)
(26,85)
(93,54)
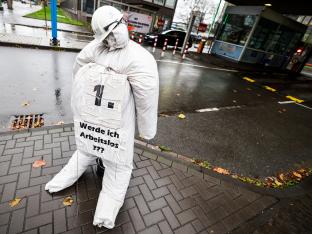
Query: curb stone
(9,44)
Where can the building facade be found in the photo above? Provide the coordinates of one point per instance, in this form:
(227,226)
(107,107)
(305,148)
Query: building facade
(145,15)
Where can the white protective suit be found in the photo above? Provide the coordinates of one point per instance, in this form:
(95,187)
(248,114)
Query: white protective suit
(115,80)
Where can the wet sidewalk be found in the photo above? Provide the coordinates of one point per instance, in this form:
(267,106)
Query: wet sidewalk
(164,196)
(15,17)
(17,30)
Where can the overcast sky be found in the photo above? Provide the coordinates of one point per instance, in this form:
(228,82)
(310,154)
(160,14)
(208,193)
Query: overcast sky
(181,7)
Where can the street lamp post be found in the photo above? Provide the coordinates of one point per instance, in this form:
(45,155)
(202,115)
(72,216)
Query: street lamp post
(54,40)
(189,29)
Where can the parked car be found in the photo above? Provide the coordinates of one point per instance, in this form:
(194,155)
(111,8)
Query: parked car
(170,34)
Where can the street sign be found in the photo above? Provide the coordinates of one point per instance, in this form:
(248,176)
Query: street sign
(139,22)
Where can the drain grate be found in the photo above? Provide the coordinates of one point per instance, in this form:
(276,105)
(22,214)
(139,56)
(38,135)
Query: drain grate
(27,121)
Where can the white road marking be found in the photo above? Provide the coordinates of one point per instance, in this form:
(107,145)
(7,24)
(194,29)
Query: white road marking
(218,109)
(194,65)
(208,109)
(286,102)
(299,104)
(291,102)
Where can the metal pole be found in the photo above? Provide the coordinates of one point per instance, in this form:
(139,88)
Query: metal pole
(189,30)
(54,40)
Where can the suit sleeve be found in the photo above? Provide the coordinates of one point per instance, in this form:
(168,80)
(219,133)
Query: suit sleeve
(85,56)
(144,80)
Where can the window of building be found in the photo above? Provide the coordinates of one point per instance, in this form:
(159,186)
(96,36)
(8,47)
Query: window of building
(307,20)
(274,38)
(159,2)
(88,6)
(263,35)
(236,28)
(170,3)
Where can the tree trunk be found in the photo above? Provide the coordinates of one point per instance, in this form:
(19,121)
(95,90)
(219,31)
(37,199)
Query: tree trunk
(10,4)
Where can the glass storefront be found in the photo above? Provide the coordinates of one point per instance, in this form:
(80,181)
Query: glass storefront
(254,35)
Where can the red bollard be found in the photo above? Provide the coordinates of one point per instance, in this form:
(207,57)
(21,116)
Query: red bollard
(155,43)
(175,46)
(185,51)
(164,48)
(132,36)
(140,39)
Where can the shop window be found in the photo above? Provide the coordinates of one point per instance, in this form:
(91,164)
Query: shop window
(236,28)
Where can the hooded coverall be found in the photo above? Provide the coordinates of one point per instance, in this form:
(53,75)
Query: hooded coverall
(140,102)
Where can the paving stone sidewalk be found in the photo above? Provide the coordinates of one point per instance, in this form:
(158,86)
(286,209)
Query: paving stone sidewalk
(160,198)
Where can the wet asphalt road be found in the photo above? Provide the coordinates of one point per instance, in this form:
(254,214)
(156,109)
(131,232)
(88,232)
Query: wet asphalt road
(41,78)
(251,134)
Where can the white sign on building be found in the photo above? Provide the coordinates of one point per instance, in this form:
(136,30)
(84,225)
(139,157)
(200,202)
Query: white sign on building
(139,22)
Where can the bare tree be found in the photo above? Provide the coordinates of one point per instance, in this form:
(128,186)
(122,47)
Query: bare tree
(201,6)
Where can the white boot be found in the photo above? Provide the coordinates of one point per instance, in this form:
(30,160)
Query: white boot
(75,167)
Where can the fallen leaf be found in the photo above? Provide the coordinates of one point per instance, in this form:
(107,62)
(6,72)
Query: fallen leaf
(259,95)
(221,170)
(205,164)
(15,202)
(277,182)
(297,175)
(178,94)
(234,101)
(60,122)
(181,116)
(302,170)
(25,103)
(68,201)
(39,163)
(249,89)
(164,148)
(281,177)
(234,91)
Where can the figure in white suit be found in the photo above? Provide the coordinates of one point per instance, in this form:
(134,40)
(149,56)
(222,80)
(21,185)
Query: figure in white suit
(115,83)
